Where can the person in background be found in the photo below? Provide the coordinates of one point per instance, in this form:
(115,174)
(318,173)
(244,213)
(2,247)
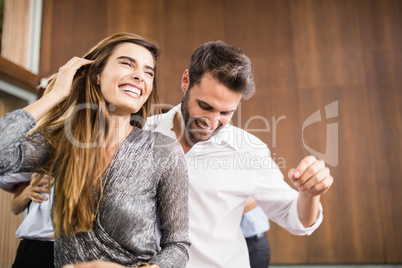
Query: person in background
(112,178)
(36,230)
(254,225)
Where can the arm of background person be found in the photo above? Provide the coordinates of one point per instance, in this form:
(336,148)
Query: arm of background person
(250,204)
(30,191)
(21,200)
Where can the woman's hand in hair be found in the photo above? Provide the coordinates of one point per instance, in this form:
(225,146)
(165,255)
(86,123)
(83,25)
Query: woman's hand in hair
(61,88)
(65,76)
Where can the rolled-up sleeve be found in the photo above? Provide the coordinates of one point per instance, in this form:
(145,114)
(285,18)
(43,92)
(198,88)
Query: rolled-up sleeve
(279,200)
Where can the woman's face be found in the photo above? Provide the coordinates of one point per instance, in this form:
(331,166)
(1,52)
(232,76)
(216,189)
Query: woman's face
(127,79)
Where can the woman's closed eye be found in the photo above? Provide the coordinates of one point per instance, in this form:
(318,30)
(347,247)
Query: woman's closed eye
(128,63)
(150,73)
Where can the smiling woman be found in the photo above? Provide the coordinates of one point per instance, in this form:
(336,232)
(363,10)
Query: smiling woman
(127,79)
(112,177)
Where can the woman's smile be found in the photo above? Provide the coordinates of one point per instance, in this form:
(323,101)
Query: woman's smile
(131,90)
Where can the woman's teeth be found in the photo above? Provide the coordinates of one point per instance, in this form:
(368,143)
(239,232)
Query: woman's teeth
(135,91)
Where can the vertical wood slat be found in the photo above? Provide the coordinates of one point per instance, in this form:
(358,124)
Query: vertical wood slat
(381,31)
(329,67)
(46,45)
(15,47)
(146,19)
(8,221)
(17,19)
(75,27)
(8,225)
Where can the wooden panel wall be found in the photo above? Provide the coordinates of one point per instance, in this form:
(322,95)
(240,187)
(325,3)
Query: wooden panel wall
(9,224)
(17,31)
(8,221)
(15,50)
(307,54)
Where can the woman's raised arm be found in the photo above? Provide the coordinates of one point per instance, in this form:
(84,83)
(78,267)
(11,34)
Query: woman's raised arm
(61,89)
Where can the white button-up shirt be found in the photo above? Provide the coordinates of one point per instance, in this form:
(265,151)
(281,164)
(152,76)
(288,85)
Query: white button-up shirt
(223,172)
(37,225)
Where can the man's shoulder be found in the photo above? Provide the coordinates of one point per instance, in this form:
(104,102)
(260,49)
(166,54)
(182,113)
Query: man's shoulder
(242,139)
(153,121)
(160,141)
(158,138)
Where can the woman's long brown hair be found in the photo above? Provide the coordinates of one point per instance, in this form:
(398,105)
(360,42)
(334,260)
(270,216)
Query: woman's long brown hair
(75,129)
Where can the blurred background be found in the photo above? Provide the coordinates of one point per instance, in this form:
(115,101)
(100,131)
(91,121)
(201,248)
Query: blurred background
(337,60)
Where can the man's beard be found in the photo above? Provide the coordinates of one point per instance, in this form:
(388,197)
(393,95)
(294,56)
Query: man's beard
(193,134)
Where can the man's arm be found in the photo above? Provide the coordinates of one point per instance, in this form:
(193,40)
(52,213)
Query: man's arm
(312,179)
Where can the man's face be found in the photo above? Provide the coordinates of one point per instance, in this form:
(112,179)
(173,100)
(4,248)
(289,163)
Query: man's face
(207,107)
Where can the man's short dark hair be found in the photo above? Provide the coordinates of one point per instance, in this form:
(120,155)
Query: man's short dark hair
(228,64)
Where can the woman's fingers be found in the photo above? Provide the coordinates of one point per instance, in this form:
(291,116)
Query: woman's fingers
(65,76)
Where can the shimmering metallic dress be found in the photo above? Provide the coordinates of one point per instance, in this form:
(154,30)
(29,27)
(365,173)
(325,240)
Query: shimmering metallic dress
(146,177)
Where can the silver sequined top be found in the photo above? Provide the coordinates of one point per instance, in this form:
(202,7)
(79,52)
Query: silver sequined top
(147,174)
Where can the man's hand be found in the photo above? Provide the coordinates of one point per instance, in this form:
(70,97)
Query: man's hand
(311,177)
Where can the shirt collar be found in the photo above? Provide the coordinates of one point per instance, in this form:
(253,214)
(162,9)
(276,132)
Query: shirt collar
(223,138)
(165,124)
